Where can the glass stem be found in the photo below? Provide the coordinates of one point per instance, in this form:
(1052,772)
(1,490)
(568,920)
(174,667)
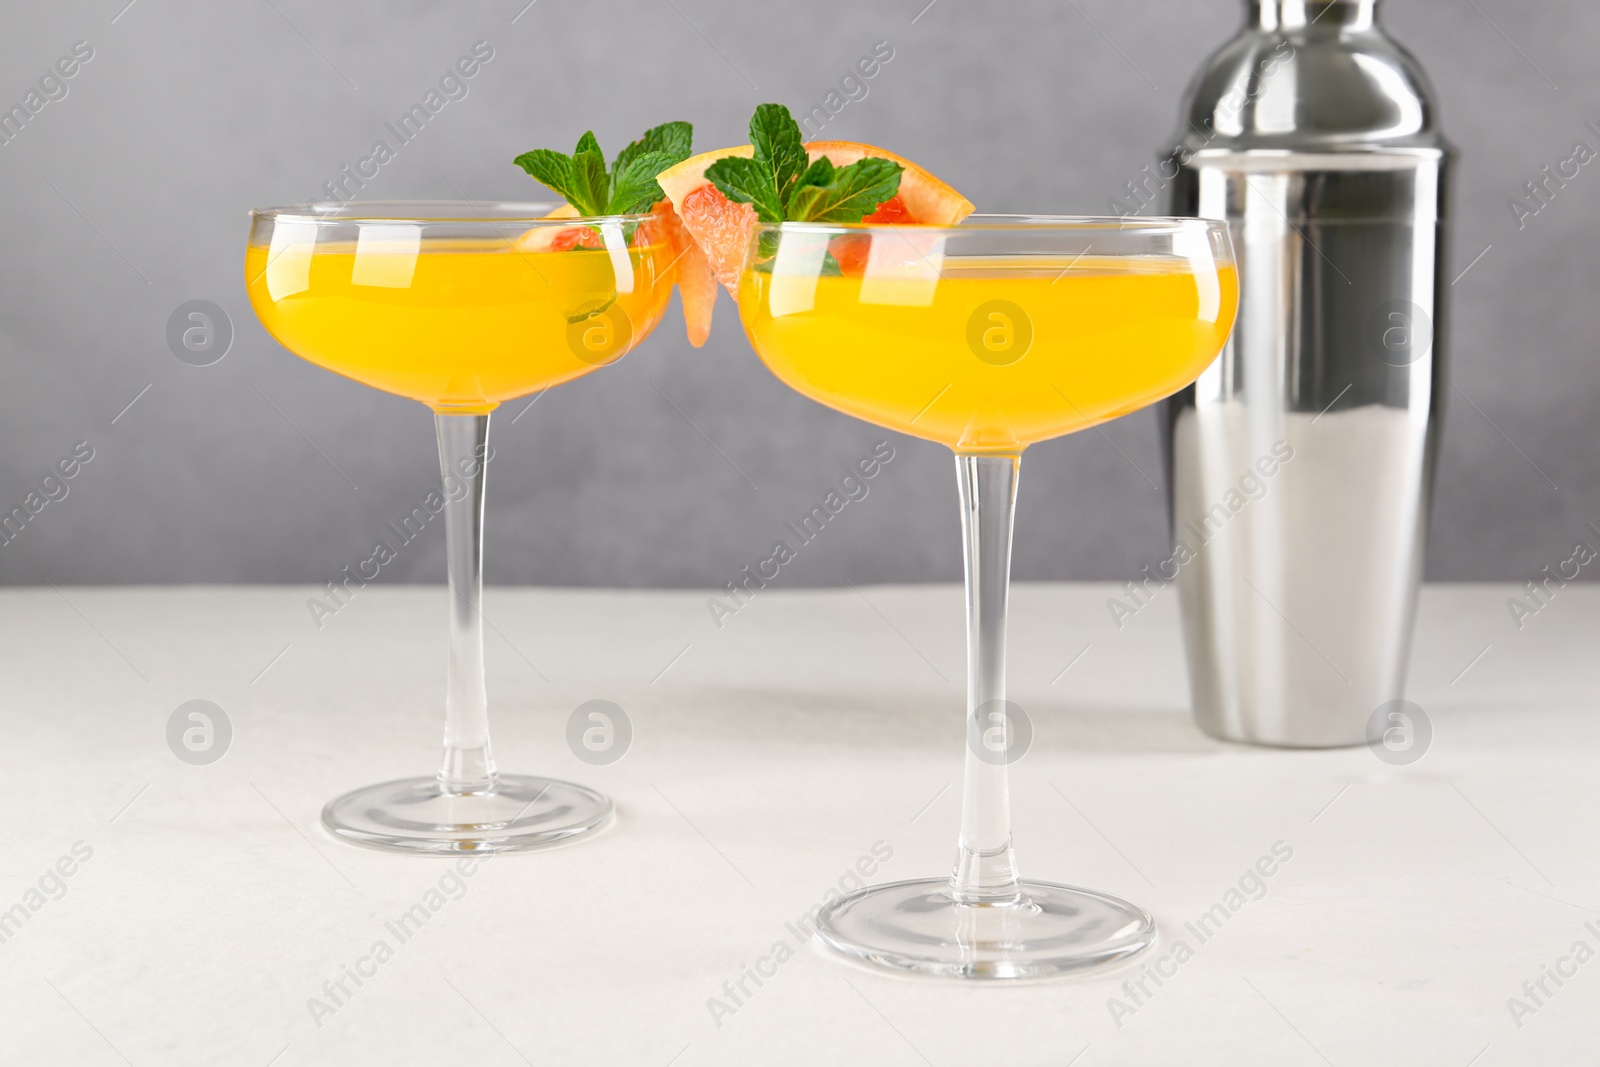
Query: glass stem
(468,765)
(986,866)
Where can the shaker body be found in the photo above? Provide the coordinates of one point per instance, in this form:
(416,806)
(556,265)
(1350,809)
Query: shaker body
(1301,463)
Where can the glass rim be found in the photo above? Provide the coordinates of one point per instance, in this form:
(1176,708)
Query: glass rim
(453,212)
(1154,225)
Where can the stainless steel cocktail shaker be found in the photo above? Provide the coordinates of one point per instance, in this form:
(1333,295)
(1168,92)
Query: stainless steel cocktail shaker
(1300,465)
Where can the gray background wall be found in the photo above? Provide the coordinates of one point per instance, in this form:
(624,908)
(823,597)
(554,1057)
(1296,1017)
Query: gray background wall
(677,467)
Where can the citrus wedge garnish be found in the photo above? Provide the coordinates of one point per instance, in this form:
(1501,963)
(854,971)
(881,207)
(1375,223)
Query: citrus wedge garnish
(553,239)
(722,226)
(591,188)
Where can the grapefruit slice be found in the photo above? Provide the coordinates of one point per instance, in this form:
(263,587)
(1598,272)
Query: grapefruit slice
(551,239)
(722,228)
(688,268)
(719,226)
(697,287)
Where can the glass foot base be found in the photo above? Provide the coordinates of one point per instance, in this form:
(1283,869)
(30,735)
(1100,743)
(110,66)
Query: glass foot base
(916,927)
(521,812)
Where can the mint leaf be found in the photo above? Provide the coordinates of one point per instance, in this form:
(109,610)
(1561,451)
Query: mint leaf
(556,171)
(819,173)
(633,183)
(853,193)
(778,147)
(748,181)
(633,174)
(589,174)
(767,246)
(589,166)
(591,309)
(673,138)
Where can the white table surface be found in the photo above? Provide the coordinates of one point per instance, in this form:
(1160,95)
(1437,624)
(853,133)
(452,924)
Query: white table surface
(768,757)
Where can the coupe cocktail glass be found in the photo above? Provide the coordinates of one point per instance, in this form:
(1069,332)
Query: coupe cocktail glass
(988,337)
(461,306)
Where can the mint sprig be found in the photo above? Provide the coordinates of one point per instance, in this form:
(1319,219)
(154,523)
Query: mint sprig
(784,185)
(627,187)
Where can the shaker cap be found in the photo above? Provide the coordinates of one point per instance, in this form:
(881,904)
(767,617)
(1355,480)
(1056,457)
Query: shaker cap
(1310,75)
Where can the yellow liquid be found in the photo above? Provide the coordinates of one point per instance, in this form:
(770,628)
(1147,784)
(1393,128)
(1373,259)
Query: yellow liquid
(993,354)
(460,325)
